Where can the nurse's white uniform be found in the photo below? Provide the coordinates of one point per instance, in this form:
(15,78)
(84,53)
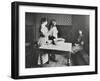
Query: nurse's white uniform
(42,41)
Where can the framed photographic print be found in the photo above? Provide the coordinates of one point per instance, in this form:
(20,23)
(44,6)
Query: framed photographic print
(50,40)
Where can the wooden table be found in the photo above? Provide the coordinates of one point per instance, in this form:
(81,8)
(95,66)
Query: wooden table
(64,48)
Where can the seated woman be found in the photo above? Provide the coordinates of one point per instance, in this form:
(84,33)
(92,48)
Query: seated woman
(78,45)
(43,39)
(80,56)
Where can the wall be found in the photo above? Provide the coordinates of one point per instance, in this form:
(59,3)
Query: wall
(33,24)
(5,40)
(81,21)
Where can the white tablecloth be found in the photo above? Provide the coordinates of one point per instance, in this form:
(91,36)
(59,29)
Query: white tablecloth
(61,47)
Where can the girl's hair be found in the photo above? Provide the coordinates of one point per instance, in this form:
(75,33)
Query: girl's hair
(51,23)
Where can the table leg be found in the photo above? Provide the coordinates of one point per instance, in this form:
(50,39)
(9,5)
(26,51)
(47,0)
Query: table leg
(41,60)
(69,63)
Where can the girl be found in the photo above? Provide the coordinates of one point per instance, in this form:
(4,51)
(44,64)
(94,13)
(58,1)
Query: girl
(53,34)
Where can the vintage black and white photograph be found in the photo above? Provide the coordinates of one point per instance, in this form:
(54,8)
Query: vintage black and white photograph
(56,40)
(51,40)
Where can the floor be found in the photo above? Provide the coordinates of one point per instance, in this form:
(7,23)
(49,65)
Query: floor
(60,61)
(76,60)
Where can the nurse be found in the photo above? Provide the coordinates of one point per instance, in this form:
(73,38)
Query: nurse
(43,39)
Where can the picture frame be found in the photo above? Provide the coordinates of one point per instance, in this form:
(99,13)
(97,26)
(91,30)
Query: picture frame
(19,11)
